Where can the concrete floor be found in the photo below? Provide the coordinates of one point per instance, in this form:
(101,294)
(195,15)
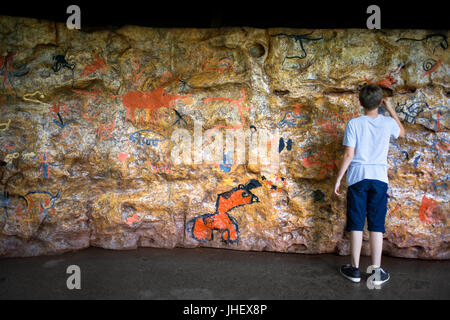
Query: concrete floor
(203,273)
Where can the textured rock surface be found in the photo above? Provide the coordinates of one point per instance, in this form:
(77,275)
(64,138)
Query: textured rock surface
(76,172)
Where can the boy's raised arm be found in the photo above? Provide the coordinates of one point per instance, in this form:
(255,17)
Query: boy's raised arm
(387,102)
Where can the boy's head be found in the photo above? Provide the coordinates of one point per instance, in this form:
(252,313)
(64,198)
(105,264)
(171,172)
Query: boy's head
(370,96)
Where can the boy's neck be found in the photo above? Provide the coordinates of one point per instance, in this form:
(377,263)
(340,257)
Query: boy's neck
(371,113)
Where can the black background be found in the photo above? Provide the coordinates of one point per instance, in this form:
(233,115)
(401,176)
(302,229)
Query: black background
(312,14)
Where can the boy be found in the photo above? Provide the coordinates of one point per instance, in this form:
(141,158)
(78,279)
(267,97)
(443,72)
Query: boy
(367,143)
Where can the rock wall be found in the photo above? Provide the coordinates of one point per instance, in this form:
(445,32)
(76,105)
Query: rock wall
(88,123)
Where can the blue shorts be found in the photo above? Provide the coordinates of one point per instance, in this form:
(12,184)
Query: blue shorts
(368,195)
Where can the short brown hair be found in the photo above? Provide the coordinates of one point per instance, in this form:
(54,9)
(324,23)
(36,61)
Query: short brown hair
(370,96)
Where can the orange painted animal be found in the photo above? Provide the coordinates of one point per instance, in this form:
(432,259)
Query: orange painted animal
(98,65)
(202,227)
(389,80)
(150,101)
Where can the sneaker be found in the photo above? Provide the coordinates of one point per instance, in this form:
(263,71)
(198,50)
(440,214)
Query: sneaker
(350,273)
(382,277)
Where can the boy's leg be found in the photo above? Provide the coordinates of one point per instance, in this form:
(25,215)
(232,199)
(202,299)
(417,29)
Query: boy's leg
(376,216)
(355,247)
(376,248)
(356,214)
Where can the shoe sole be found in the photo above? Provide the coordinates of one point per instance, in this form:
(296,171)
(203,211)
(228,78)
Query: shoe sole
(350,278)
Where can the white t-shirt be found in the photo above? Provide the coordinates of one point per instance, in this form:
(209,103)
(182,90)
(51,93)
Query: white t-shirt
(370,138)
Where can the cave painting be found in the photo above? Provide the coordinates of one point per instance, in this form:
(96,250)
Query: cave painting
(221,65)
(134,218)
(142,140)
(184,84)
(429,211)
(8,71)
(150,101)
(437,40)
(430,65)
(94,106)
(440,183)
(122,156)
(435,36)
(58,110)
(413,112)
(240,107)
(202,227)
(317,161)
(7,145)
(160,168)
(5,125)
(36,201)
(290,120)
(42,201)
(442,148)
(282,144)
(180,118)
(28,155)
(60,62)
(392,213)
(227,162)
(299,39)
(105,131)
(330,122)
(11,156)
(98,65)
(45,166)
(390,78)
(274,184)
(60,123)
(137,73)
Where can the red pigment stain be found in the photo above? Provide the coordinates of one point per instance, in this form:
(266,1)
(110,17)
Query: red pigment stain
(429,211)
(122,156)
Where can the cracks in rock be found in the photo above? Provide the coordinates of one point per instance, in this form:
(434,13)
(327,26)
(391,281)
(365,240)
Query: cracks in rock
(339,91)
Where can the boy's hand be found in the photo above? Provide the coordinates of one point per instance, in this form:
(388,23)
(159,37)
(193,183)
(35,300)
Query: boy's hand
(336,188)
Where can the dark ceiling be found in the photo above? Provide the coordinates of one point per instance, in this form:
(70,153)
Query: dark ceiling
(222,13)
